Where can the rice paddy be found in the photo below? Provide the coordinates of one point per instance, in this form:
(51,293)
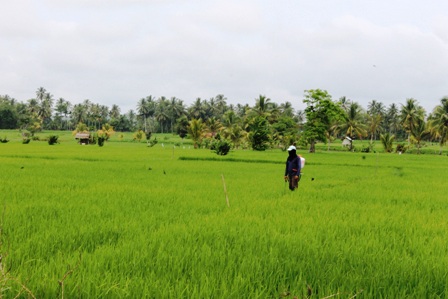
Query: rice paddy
(131,221)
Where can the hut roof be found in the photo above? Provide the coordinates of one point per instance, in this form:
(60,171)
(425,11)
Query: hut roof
(82,135)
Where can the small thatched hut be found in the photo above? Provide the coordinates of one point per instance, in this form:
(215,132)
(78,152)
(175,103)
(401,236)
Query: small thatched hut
(83,138)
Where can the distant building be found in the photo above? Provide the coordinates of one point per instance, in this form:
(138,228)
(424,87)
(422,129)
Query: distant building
(83,138)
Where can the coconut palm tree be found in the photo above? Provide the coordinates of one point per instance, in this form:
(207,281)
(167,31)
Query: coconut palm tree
(438,122)
(79,114)
(352,122)
(195,129)
(374,108)
(374,126)
(212,126)
(162,113)
(45,108)
(262,106)
(392,120)
(114,112)
(145,109)
(63,107)
(418,132)
(410,115)
(286,109)
(221,104)
(235,133)
(197,110)
(344,103)
(387,140)
(175,110)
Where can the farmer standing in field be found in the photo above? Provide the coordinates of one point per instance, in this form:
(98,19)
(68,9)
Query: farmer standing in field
(293,167)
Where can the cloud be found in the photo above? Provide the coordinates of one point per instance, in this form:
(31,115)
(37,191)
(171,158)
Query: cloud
(115,52)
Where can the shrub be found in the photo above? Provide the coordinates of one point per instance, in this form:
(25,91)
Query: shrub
(152,142)
(26,140)
(52,139)
(138,136)
(101,140)
(148,135)
(221,147)
(401,148)
(4,140)
(365,149)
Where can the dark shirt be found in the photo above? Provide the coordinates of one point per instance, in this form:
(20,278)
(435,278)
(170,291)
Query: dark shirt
(293,166)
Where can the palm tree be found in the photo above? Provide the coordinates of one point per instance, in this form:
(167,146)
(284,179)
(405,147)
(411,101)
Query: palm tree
(392,121)
(438,122)
(146,108)
(175,110)
(387,140)
(79,114)
(352,123)
(196,110)
(286,109)
(221,104)
(418,133)
(344,103)
(95,112)
(195,130)
(40,94)
(374,126)
(229,118)
(213,126)
(262,106)
(374,108)
(114,112)
(132,117)
(235,133)
(86,105)
(63,108)
(410,114)
(45,107)
(162,113)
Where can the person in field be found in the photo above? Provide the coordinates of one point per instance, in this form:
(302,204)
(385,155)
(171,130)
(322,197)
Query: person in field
(292,169)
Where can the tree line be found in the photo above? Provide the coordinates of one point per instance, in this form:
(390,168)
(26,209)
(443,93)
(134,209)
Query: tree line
(263,125)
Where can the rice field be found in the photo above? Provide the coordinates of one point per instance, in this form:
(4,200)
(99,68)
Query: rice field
(130,221)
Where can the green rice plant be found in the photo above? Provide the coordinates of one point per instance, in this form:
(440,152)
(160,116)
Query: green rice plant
(133,221)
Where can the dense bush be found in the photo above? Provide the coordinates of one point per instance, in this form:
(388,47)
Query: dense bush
(153,142)
(101,140)
(52,139)
(221,147)
(401,148)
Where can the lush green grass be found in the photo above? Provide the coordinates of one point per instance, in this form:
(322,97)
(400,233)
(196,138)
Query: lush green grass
(127,220)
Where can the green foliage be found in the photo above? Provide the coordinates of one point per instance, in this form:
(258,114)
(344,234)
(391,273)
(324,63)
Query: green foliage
(8,116)
(4,140)
(152,142)
(148,135)
(138,136)
(182,126)
(118,223)
(387,141)
(320,113)
(401,148)
(221,147)
(101,140)
(259,133)
(52,139)
(195,131)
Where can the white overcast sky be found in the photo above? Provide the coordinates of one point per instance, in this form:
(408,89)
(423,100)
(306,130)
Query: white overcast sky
(119,51)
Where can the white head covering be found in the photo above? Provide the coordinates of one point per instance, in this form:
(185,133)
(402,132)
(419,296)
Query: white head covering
(291,148)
